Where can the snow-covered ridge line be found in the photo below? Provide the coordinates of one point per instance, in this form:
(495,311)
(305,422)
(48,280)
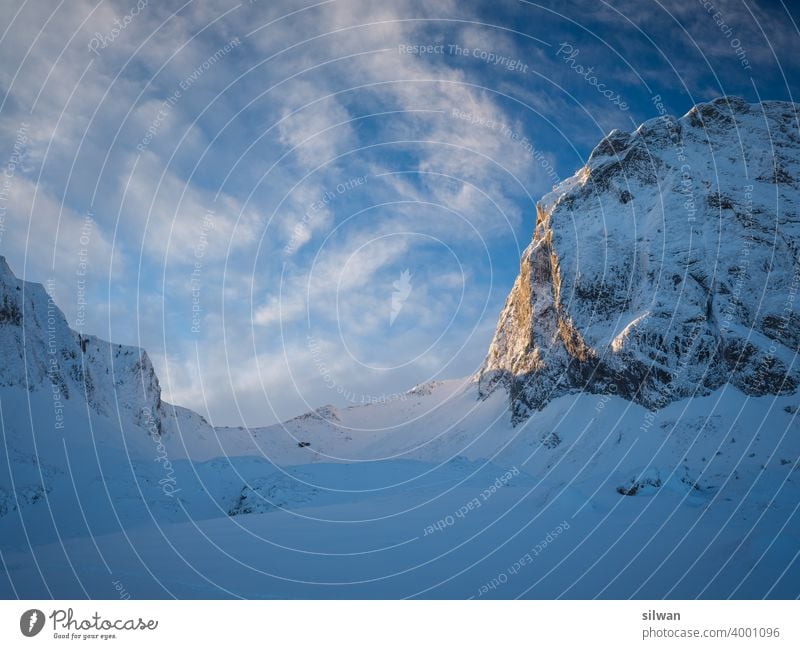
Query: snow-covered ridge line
(665,267)
(39,351)
(95,391)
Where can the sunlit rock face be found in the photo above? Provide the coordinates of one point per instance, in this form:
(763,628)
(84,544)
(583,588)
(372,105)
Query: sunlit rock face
(665,267)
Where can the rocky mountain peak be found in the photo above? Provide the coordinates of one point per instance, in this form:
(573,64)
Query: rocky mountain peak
(664,268)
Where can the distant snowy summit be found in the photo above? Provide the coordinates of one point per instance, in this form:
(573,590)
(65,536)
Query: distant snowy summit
(666,267)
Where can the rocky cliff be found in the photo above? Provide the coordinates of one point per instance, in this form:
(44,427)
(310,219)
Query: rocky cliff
(38,351)
(665,267)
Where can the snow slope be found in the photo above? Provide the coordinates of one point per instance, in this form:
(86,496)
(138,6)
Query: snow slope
(712,511)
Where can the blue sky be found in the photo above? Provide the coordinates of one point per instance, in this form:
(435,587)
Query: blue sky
(290,204)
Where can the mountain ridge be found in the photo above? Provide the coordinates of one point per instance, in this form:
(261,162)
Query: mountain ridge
(107,375)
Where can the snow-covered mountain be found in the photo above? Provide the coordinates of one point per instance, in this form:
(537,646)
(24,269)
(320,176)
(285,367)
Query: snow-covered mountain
(664,268)
(633,429)
(38,351)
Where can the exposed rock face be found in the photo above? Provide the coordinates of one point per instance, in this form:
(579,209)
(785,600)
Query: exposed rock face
(38,351)
(666,267)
